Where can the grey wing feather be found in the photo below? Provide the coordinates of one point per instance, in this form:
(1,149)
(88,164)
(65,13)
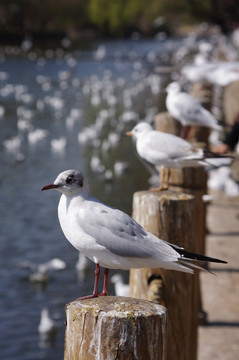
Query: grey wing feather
(123,236)
(188,106)
(164,143)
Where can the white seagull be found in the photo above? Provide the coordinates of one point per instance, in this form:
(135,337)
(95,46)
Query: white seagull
(109,237)
(46,325)
(166,150)
(188,110)
(121,289)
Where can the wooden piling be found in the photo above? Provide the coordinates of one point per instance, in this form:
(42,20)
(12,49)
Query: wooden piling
(171,217)
(166,123)
(193,181)
(230,102)
(107,328)
(203,92)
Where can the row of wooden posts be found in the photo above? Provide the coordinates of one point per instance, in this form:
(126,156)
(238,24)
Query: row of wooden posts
(160,321)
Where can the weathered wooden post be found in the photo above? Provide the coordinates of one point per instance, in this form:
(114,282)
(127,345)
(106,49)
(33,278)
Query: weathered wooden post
(194,181)
(166,123)
(107,328)
(203,92)
(171,217)
(230,102)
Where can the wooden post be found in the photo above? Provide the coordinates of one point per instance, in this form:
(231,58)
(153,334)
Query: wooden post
(230,102)
(166,123)
(193,181)
(203,92)
(107,328)
(171,217)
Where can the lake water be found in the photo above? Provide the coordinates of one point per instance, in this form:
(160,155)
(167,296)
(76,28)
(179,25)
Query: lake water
(109,87)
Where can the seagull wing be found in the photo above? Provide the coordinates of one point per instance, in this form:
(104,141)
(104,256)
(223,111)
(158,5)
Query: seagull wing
(156,146)
(149,147)
(121,235)
(189,108)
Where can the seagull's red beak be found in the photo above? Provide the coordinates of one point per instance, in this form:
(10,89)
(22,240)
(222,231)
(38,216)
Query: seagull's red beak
(50,186)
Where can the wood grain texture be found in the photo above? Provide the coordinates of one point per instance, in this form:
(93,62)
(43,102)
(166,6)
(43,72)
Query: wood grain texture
(115,328)
(171,217)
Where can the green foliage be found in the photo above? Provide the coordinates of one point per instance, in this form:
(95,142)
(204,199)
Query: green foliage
(111,17)
(117,16)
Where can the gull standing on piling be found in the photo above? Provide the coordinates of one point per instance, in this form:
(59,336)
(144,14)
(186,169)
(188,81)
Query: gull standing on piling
(188,110)
(166,150)
(109,237)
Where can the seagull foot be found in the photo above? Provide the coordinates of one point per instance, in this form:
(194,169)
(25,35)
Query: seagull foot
(158,189)
(88,297)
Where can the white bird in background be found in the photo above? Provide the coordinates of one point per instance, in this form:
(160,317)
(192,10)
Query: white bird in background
(47,330)
(36,136)
(46,325)
(82,266)
(121,289)
(40,271)
(109,237)
(221,179)
(58,145)
(166,150)
(188,110)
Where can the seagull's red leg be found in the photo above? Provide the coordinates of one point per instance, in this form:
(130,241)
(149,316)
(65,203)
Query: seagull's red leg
(97,275)
(189,133)
(168,178)
(162,178)
(183,132)
(105,292)
(95,291)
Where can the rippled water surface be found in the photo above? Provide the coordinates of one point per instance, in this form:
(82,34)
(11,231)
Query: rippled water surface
(64,94)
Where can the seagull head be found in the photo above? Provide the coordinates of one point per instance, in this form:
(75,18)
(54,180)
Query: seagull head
(173,88)
(69,182)
(139,129)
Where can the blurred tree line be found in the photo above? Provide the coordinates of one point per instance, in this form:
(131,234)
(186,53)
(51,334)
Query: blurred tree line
(112,17)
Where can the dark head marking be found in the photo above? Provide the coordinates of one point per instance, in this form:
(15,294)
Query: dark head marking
(75,177)
(70,179)
(80,180)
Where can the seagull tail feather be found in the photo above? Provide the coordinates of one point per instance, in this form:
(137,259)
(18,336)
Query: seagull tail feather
(189,265)
(187,255)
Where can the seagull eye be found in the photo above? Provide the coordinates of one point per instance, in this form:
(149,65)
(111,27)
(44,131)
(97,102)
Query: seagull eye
(69,180)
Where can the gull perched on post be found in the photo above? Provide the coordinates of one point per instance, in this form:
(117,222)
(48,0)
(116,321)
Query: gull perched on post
(188,110)
(109,237)
(166,150)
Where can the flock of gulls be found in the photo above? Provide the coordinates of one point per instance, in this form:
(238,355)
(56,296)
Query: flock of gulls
(107,236)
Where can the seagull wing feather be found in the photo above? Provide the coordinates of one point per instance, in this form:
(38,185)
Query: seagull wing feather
(123,236)
(192,110)
(189,108)
(156,146)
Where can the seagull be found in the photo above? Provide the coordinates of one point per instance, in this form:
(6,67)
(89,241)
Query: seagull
(40,271)
(46,329)
(188,110)
(121,289)
(110,237)
(166,150)
(46,325)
